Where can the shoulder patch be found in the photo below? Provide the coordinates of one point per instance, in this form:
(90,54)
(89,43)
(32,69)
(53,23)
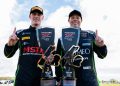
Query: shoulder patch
(90,32)
(18,31)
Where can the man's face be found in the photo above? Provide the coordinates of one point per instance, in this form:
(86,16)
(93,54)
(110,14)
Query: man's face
(36,19)
(75,21)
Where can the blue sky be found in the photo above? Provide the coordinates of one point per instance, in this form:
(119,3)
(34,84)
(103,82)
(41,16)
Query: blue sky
(50,6)
(103,15)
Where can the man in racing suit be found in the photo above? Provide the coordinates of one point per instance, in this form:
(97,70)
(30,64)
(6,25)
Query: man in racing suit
(27,74)
(89,43)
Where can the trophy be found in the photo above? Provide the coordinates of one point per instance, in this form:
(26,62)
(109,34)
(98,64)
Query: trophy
(70,39)
(45,39)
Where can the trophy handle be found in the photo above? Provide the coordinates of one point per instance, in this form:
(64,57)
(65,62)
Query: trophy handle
(79,58)
(69,53)
(41,63)
(57,60)
(44,59)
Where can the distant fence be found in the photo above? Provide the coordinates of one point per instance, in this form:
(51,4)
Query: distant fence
(111,81)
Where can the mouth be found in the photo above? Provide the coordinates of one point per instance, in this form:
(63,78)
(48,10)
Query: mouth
(75,23)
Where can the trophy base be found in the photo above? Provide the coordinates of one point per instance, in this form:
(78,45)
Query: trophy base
(48,82)
(69,82)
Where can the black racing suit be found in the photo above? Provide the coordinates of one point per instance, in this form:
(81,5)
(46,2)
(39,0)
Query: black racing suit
(27,74)
(86,75)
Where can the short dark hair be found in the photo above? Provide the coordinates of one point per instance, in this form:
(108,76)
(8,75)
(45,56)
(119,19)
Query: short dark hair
(75,12)
(36,9)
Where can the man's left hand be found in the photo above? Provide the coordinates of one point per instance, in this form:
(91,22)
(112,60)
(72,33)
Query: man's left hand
(98,40)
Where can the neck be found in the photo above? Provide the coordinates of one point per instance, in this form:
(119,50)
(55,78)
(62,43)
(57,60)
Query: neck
(75,27)
(35,25)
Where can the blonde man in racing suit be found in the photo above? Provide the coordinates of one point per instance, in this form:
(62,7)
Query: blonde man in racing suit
(27,73)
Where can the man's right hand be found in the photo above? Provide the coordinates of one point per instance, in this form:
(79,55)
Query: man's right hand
(13,38)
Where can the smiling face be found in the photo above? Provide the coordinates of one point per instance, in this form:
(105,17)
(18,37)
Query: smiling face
(36,19)
(75,21)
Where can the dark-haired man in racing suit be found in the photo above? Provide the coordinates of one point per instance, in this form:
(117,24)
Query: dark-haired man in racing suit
(27,74)
(89,43)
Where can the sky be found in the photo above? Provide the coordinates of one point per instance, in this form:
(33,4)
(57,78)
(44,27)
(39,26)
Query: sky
(103,15)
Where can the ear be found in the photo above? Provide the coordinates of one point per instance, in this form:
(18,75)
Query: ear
(29,16)
(42,17)
(69,20)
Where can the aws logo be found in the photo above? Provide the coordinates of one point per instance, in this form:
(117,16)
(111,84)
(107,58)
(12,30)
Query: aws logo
(69,34)
(46,34)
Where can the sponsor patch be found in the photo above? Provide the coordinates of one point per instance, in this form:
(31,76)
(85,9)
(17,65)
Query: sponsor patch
(26,38)
(26,33)
(86,44)
(25,43)
(84,34)
(86,67)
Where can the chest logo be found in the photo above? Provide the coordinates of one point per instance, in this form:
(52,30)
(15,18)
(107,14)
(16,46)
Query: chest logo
(26,38)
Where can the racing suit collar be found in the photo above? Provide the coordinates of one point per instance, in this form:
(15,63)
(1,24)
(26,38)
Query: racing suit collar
(76,28)
(32,28)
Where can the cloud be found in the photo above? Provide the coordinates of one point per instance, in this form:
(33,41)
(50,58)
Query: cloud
(104,16)
(58,20)
(5,20)
(59,17)
(5,9)
(6,29)
(22,8)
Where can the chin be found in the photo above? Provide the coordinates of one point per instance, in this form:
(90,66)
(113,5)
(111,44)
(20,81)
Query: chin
(36,25)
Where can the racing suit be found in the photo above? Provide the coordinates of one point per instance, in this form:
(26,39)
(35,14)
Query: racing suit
(86,75)
(27,73)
